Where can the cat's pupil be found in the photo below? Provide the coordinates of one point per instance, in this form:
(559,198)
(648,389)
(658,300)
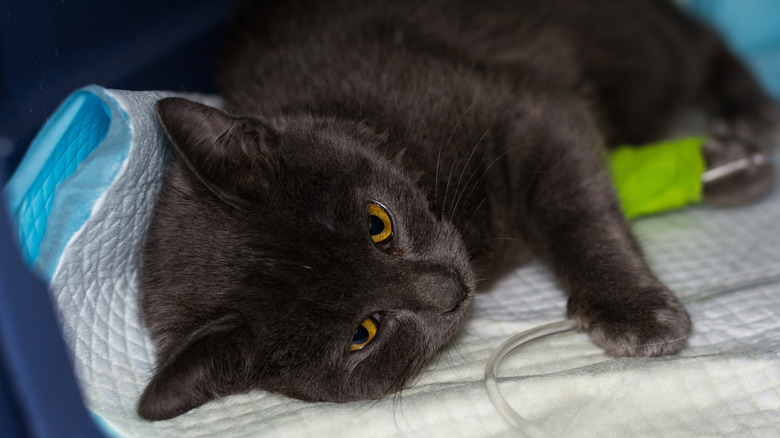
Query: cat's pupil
(361,336)
(376,226)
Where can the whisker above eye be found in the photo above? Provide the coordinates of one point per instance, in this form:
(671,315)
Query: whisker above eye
(438,160)
(476,184)
(471,155)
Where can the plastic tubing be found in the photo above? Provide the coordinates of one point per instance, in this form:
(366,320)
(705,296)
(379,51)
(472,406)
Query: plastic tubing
(506,411)
(518,340)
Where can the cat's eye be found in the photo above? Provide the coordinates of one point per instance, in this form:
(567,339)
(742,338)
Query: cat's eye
(380,227)
(365,332)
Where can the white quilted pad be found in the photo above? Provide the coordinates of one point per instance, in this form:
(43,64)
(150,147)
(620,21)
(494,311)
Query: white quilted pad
(726,383)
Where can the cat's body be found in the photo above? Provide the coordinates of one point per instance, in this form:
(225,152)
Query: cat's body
(476,129)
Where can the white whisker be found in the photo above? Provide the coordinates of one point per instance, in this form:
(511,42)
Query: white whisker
(438,162)
(473,150)
(466,227)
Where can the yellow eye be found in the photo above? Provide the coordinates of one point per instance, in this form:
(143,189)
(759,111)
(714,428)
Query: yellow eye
(379,225)
(365,332)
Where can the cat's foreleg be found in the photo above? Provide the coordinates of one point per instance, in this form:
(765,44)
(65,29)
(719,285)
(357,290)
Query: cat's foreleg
(572,215)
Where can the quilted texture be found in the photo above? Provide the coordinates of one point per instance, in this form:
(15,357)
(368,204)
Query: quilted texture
(724,263)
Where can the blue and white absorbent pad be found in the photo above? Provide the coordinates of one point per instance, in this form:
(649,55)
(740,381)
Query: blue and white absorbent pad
(82,199)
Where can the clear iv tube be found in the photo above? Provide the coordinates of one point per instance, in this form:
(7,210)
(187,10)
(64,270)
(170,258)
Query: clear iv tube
(491,369)
(498,355)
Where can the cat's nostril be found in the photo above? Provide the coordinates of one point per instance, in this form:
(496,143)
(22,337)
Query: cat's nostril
(462,285)
(441,292)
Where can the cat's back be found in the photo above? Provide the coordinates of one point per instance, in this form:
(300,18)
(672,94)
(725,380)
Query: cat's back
(438,77)
(350,57)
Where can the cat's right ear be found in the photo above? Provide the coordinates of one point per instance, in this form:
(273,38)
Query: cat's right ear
(230,155)
(207,366)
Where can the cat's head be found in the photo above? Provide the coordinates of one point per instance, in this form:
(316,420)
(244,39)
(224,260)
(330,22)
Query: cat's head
(290,256)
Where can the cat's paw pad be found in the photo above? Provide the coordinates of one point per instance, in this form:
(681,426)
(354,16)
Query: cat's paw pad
(635,329)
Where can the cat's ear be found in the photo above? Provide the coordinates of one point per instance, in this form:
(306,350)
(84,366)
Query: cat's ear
(228,154)
(205,367)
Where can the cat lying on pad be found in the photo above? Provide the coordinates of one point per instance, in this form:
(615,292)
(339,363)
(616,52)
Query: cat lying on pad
(377,165)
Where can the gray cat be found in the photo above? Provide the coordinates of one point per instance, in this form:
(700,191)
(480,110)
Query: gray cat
(377,164)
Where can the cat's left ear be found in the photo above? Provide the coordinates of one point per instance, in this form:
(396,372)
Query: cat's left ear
(230,155)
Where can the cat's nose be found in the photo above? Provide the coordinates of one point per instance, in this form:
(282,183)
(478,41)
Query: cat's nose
(439,291)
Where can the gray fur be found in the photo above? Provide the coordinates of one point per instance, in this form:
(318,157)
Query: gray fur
(481,126)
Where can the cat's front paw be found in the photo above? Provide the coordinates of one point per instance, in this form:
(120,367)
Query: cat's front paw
(649,322)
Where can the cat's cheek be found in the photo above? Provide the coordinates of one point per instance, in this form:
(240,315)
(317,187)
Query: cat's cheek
(401,349)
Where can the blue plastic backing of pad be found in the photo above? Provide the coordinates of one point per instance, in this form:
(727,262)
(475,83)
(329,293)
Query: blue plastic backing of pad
(68,138)
(751,28)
